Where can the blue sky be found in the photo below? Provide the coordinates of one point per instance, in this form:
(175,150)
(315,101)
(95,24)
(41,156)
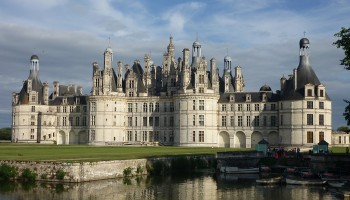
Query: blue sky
(261,36)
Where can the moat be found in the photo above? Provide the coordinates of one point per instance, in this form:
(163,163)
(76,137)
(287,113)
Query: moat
(205,186)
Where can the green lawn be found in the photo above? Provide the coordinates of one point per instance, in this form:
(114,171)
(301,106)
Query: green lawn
(77,153)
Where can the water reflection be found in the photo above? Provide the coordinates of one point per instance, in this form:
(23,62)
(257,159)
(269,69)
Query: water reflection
(202,187)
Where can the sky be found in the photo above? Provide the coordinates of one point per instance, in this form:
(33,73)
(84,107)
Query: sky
(261,36)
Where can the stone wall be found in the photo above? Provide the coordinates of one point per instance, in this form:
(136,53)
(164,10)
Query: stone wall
(89,171)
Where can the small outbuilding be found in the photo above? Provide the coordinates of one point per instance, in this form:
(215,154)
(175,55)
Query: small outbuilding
(321,147)
(262,146)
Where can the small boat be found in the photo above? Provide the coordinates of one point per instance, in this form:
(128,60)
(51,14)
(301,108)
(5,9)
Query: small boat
(236,170)
(267,181)
(336,184)
(299,181)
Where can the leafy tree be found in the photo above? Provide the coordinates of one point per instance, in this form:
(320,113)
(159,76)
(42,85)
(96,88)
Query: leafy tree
(344,129)
(344,43)
(5,134)
(346,113)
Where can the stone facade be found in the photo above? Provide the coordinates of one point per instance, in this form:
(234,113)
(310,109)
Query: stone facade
(183,102)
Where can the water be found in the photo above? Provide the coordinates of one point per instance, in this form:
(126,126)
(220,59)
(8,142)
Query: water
(201,187)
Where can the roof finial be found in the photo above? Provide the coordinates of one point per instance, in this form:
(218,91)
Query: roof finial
(226,51)
(109,41)
(304,33)
(196,36)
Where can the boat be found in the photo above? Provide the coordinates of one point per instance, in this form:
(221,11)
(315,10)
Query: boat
(300,181)
(336,184)
(267,181)
(236,170)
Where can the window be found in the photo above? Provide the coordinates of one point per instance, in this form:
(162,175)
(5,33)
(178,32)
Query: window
(321,119)
(223,120)
(232,107)
(240,120)
(309,92)
(264,121)
(84,121)
(273,120)
(129,136)
(157,107)
(310,105)
(144,121)
(92,136)
(248,120)
(151,107)
(281,121)
(201,136)
(239,107)
(273,106)
(171,106)
(92,120)
(171,121)
(144,135)
(165,122)
(70,121)
(310,137)
(150,120)
(173,82)
(201,120)
(194,136)
(131,94)
(33,98)
(310,119)
(223,107)
(32,137)
(201,79)
(248,107)
(135,121)
(165,107)
(135,107)
(33,108)
(264,108)
(194,120)
(32,130)
(71,108)
(321,93)
(145,107)
(58,109)
(339,140)
(77,121)
(92,104)
(131,83)
(32,123)
(156,121)
(320,136)
(321,105)
(232,120)
(201,104)
(201,90)
(135,136)
(194,105)
(256,121)
(65,109)
(84,108)
(129,121)
(64,121)
(129,107)
(256,107)
(78,109)
(281,106)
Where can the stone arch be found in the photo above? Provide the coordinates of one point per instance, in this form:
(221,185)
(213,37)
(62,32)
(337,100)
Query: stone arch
(273,138)
(83,137)
(61,137)
(256,138)
(224,139)
(73,137)
(240,140)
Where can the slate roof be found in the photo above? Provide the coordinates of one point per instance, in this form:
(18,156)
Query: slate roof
(36,86)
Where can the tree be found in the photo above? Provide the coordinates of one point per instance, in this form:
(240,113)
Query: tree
(344,129)
(344,43)
(5,134)
(346,113)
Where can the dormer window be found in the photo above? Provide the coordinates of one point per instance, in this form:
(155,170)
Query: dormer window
(264,98)
(309,92)
(232,98)
(64,100)
(248,98)
(321,93)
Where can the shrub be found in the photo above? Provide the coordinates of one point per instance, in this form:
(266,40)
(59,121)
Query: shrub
(43,176)
(7,172)
(127,171)
(139,170)
(28,176)
(60,174)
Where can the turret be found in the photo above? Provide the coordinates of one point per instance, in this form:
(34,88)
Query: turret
(120,77)
(239,81)
(56,89)
(46,93)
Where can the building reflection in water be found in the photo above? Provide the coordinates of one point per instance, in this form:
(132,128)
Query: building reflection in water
(206,187)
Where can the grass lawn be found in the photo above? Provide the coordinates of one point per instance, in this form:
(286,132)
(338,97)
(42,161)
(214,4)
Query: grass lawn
(77,153)
(338,149)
